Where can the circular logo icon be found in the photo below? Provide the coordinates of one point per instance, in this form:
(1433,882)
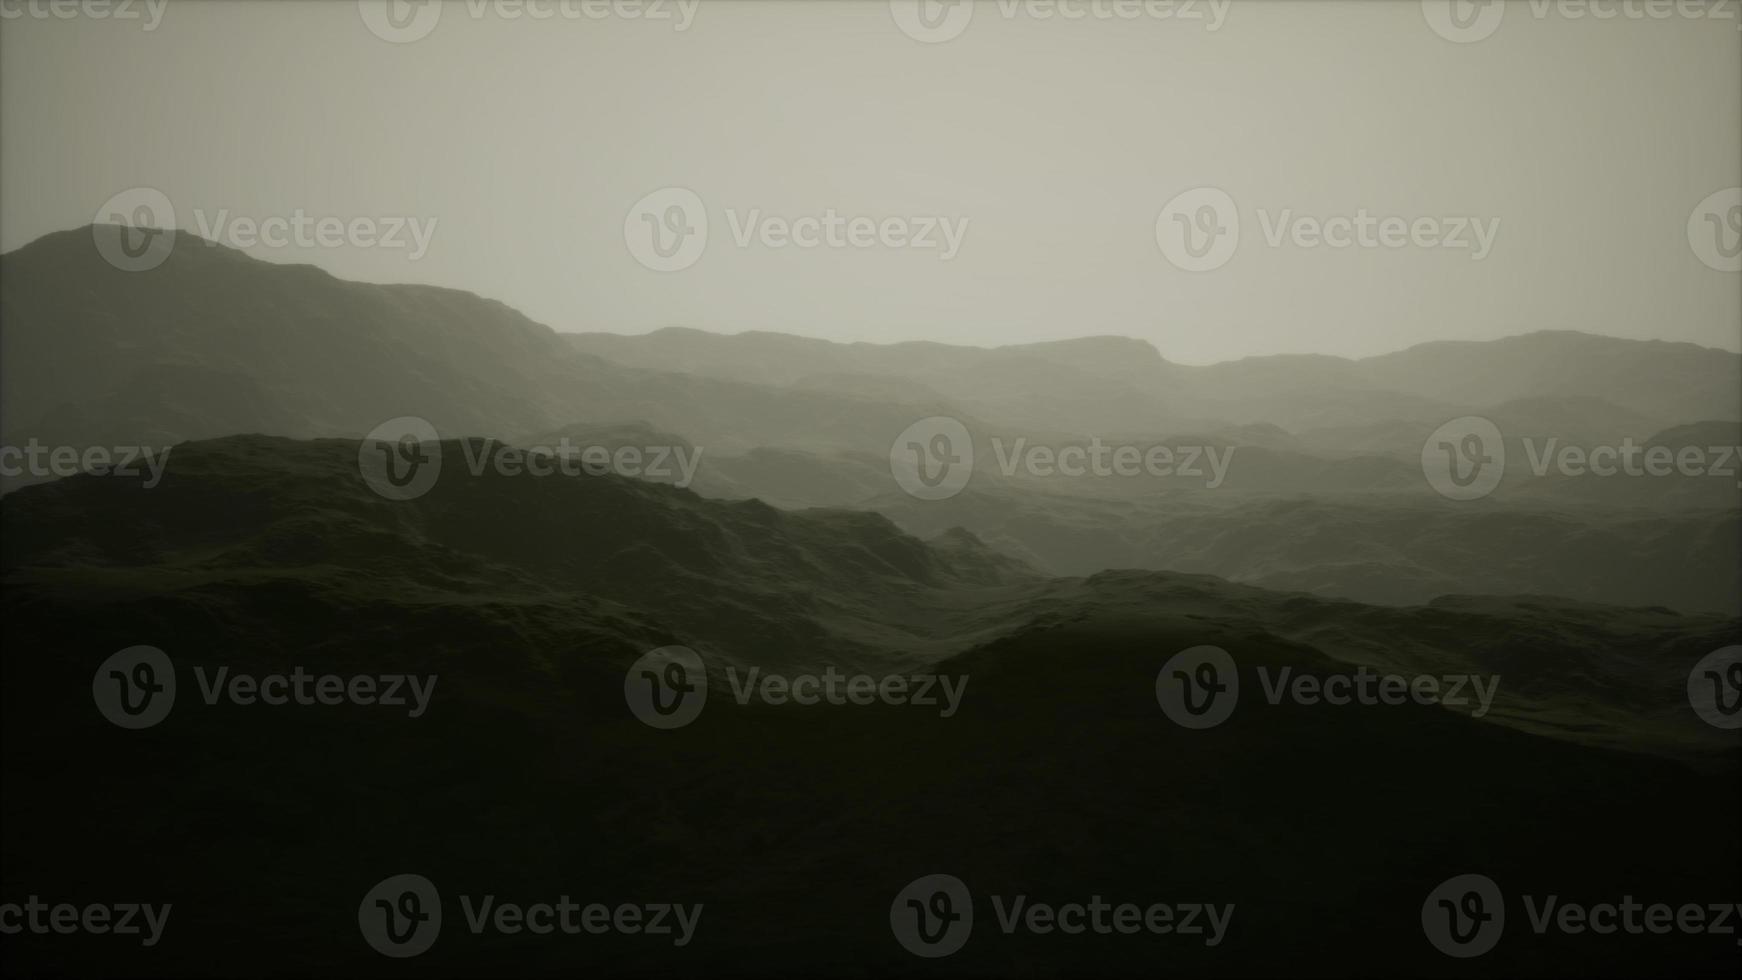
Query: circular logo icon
(401,458)
(667,231)
(1715,230)
(1199,230)
(1715,688)
(400,21)
(135,688)
(667,688)
(135,229)
(932,21)
(1464,916)
(1198,687)
(1464,459)
(1463,21)
(933,916)
(401,916)
(933,458)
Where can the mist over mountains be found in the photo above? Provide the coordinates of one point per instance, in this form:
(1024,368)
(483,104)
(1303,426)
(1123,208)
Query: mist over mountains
(1117,385)
(1313,479)
(215,343)
(786,542)
(954,489)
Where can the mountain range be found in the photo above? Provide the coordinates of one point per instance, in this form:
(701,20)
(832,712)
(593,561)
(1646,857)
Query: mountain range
(1323,491)
(213,342)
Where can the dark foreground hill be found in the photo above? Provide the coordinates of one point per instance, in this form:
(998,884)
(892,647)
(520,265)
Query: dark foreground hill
(641,561)
(1059,777)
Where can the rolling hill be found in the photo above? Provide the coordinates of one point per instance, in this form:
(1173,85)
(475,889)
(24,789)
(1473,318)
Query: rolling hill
(528,597)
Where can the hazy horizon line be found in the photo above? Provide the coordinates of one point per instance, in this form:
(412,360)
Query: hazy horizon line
(885,343)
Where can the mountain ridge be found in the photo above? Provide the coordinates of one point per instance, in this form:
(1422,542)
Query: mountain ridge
(623,563)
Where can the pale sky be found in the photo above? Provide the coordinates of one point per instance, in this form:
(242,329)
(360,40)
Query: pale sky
(1058,141)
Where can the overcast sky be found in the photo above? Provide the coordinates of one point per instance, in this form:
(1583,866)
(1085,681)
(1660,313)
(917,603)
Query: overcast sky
(1050,147)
